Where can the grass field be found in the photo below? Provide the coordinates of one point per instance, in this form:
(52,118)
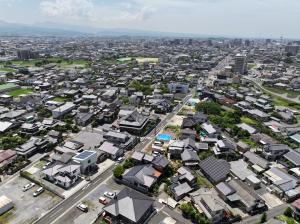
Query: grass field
(59,99)
(287,220)
(290,93)
(18,92)
(248,120)
(282,102)
(61,63)
(5,69)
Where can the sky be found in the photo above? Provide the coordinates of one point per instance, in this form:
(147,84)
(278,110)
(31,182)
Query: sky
(240,18)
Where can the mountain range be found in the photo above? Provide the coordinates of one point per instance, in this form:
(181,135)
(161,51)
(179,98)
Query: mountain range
(59,29)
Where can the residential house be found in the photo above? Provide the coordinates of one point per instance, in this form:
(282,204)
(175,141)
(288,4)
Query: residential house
(63,175)
(296,209)
(239,168)
(33,145)
(188,133)
(214,208)
(275,151)
(190,158)
(62,110)
(129,206)
(247,128)
(283,184)
(258,164)
(122,139)
(7,157)
(83,119)
(223,147)
(141,177)
(216,170)
(109,150)
(87,160)
(209,131)
(134,123)
(178,87)
(238,194)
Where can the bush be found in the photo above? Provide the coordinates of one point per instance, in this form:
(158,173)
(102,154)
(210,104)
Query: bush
(128,163)
(288,212)
(118,171)
(263,218)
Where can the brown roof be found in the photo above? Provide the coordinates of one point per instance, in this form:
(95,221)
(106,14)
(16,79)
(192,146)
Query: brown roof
(7,154)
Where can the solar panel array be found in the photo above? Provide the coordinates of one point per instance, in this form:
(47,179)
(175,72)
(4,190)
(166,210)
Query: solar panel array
(84,155)
(216,169)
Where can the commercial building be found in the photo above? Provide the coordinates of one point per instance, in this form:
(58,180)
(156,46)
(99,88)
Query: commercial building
(240,64)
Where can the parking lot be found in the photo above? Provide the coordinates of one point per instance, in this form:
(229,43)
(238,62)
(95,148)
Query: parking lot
(35,207)
(75,216)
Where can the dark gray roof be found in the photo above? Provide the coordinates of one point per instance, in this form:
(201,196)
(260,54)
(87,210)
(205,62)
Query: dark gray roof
(216,169)
(256,159)
(160,161)
(189,155)
(129,204)
(293,157)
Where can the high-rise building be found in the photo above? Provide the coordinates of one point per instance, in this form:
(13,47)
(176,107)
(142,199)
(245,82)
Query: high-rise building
(240,63)
(292,49)
(26,54)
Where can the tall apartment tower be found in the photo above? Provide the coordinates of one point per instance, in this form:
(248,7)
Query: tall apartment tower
(240,64)
(26,54)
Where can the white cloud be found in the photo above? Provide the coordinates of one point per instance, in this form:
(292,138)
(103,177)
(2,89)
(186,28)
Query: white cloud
(74,9)
(90,11)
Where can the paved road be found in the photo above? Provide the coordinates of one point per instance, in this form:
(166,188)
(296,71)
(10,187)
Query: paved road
(284,96)
(272,213)
(73,200)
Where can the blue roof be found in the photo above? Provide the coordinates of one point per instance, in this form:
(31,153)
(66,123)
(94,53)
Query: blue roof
(84,155)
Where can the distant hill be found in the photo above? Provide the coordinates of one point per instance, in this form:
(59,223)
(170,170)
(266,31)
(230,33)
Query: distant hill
(14,29)
(57,29)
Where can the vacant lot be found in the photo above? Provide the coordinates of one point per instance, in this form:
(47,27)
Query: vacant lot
(18,92)
(35,207)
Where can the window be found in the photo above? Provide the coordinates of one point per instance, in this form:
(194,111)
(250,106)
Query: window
(89,161)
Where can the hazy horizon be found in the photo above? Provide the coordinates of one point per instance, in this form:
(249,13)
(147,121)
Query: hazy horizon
(241,18)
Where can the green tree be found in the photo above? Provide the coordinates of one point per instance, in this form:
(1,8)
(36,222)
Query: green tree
(288,212)
(263,218)
(118,171)
(209,108)
(128,163)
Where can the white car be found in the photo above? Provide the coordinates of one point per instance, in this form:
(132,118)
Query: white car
(120,159)
(109,194)
(28,186)
(46,165)
(83,207)
(38,192)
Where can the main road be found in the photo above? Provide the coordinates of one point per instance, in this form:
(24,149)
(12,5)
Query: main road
(63,206)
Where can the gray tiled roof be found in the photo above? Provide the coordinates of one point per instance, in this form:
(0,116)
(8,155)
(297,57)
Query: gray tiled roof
(129,204)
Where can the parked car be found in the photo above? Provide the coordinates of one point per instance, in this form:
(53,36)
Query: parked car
(38,192)
(83,207)
(28,186)
(103,200)
(155,153)
(120,159)
(109,194)
(46,165)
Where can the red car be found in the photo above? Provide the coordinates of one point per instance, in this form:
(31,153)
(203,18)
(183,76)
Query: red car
(103,200)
